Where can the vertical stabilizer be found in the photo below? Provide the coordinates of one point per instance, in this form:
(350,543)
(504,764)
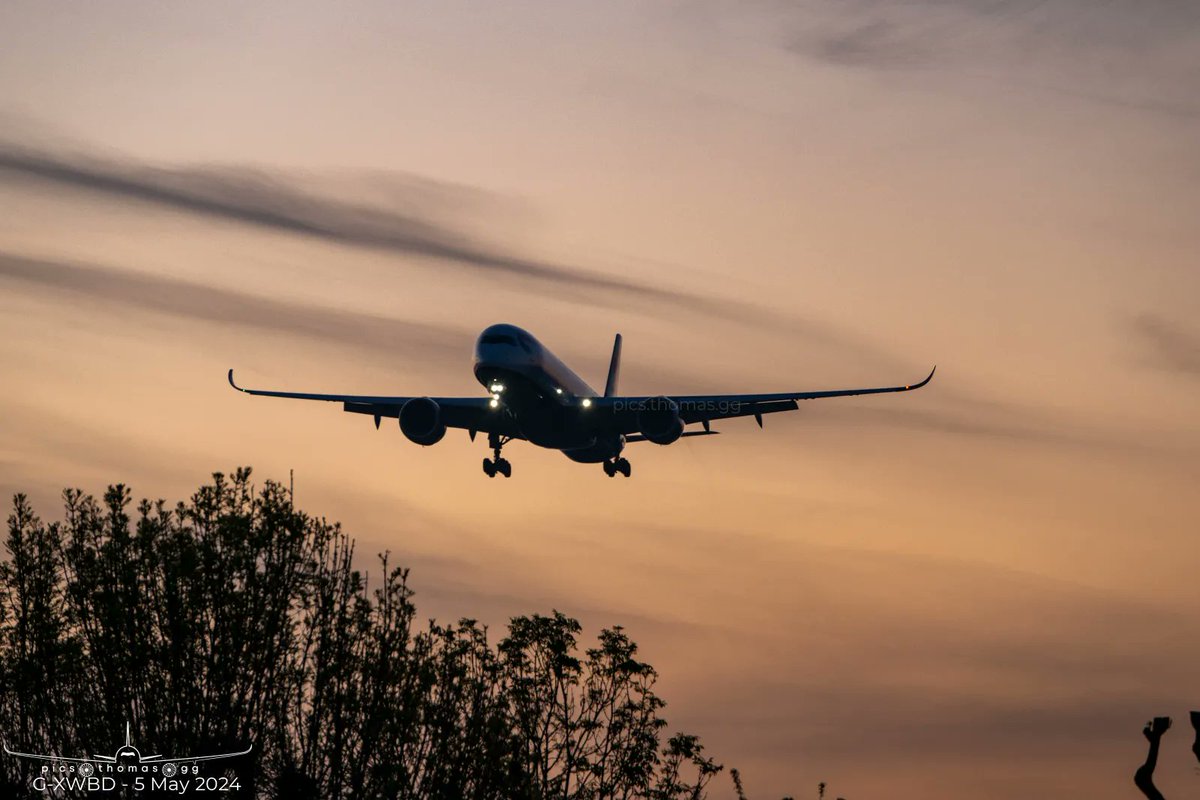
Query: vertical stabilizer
(614,369)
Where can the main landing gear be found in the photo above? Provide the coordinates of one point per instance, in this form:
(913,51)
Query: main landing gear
(616,465)
(498,464)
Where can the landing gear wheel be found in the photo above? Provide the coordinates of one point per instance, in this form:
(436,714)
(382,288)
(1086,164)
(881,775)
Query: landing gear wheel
(497,464)
(609,469)
(622,466)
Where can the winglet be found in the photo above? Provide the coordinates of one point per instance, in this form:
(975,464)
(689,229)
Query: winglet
(928,378)
(614,369)
(234,385)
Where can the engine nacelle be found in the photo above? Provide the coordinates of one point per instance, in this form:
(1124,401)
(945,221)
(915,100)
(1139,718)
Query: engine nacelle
(659,420)
(421,421)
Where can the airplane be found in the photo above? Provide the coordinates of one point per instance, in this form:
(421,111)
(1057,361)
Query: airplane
(125,752)
(535,397)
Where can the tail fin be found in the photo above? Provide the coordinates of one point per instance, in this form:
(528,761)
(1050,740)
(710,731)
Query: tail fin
(614,369)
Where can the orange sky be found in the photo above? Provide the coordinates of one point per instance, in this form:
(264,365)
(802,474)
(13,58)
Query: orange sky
(980,589)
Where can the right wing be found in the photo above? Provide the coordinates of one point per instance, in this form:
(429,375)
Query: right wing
(706,408)
(469,413)
(157,760)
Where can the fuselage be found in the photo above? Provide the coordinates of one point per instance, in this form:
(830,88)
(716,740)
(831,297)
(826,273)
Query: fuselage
(545,399)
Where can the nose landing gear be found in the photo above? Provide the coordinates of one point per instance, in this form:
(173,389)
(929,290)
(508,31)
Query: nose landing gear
(621,465)
(497,465)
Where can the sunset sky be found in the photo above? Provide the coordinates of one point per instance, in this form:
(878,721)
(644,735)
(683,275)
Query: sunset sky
(982,589)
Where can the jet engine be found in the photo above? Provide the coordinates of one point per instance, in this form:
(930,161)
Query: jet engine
(421,421)
(659,420)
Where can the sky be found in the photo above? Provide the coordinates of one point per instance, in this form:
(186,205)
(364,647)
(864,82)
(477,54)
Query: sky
(981,589)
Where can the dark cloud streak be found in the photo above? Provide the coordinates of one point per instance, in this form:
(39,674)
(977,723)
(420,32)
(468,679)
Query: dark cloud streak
(1053,47)
(1169,346)
(93,284)
(258,198)
(255,197)
(193,301)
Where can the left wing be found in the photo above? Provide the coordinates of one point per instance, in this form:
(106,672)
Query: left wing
(470,413)
(41,757)
(705,408)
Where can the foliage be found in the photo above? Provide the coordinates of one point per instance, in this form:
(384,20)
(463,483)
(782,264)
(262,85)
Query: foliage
(234,619)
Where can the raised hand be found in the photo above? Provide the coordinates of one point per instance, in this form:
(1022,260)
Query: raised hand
(1144,777)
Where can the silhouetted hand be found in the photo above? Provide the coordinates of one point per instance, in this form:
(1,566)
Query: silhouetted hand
(1144,777)
(1157,727)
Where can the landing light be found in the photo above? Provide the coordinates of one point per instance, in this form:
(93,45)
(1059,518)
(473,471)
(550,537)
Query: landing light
(497,387)
(558,391)
(587,402)
(494,403)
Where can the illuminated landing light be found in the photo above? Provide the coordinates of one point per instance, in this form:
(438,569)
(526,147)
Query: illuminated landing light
(497,387)
(587,402)
(494,403)
(558,391)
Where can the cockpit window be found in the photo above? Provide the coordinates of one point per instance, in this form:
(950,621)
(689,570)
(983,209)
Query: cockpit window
(526,345)
(497,338)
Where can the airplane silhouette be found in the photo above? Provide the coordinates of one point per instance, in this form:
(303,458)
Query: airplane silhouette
(535,397)
(126,751)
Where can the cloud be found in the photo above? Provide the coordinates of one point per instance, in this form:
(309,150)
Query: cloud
(999,424)
(141,292)
(874,35)
(1168,345)
(1124,54)
(127,291)
(272,201)
(878,43)
(268,200)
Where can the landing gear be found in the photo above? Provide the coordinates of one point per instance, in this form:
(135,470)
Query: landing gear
(497,465)
(500,465)
(621,465)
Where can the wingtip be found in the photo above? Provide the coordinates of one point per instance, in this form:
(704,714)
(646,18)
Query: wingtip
(928,378)
(231,383)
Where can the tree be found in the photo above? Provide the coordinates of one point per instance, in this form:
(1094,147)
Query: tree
(234,619)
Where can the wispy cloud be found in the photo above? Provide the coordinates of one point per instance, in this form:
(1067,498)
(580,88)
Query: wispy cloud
(122,291)
(273,201)
(1168,344)
(1125,54)
(269,200)
(875,35)
(125,291)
